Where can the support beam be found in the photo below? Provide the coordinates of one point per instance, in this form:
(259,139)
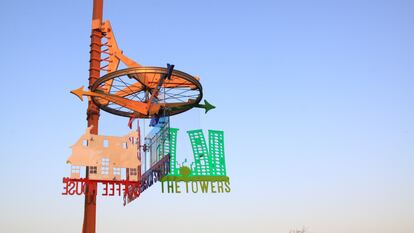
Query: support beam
(89,217)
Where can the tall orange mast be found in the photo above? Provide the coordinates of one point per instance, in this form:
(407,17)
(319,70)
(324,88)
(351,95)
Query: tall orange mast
(89,216)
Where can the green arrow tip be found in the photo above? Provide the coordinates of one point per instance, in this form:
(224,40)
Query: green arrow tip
(208,106)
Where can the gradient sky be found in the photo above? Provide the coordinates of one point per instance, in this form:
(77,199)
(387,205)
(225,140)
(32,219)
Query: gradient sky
(315,98)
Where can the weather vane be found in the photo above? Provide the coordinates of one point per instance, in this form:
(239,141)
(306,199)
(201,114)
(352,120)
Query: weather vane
(126,165)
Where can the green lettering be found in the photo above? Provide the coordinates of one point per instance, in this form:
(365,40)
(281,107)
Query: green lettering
(186,186)
(170,186)
(220,186)
(177,187)
(194,187)
(204,186)
(227,189)
(213,187)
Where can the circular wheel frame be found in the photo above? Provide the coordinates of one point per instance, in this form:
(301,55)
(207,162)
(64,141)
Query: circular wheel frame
(176,95)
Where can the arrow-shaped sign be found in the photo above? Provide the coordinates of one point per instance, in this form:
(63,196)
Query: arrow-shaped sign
(135,106)
(207,106)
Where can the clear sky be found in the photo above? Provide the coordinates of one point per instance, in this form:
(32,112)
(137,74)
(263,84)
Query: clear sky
(315,98)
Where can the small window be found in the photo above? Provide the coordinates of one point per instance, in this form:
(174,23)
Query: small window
(105,166)
(75,169)
(133,171)
(93,170)
(105,170)
(125,145)
(105,161)
(117,171)
(105,143)
(85,142)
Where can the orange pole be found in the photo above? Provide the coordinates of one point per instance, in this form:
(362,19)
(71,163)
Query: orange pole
(89,215)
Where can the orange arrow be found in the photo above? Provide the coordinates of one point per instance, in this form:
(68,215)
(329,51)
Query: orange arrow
(135,106)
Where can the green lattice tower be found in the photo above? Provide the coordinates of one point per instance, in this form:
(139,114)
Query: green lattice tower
(216,155)
(173,151)
(200,152)
(163,148)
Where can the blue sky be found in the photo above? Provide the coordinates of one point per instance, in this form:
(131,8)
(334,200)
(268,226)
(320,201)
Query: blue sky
(315,98)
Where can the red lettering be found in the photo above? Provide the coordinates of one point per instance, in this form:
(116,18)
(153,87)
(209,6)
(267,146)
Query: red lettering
(125,187)
(136,190)
(112,189)
(65,189)
(118,188)
(79,190)
(105,190)
(72,187)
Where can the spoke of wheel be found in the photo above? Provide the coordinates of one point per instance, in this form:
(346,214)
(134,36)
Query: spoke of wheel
(181,94)
(132,92)
(182,88)
(177,98)
(126,93)
(187,97)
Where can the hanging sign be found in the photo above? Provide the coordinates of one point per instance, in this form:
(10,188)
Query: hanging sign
(106,157)
(109,188)
(207,174)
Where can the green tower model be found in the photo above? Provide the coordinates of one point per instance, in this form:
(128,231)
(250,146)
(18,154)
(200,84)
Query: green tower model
(200,152)
(173,151)
(216,155)
(209,160)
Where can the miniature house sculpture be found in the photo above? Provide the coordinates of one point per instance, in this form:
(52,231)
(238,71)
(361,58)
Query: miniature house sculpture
(106,156)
